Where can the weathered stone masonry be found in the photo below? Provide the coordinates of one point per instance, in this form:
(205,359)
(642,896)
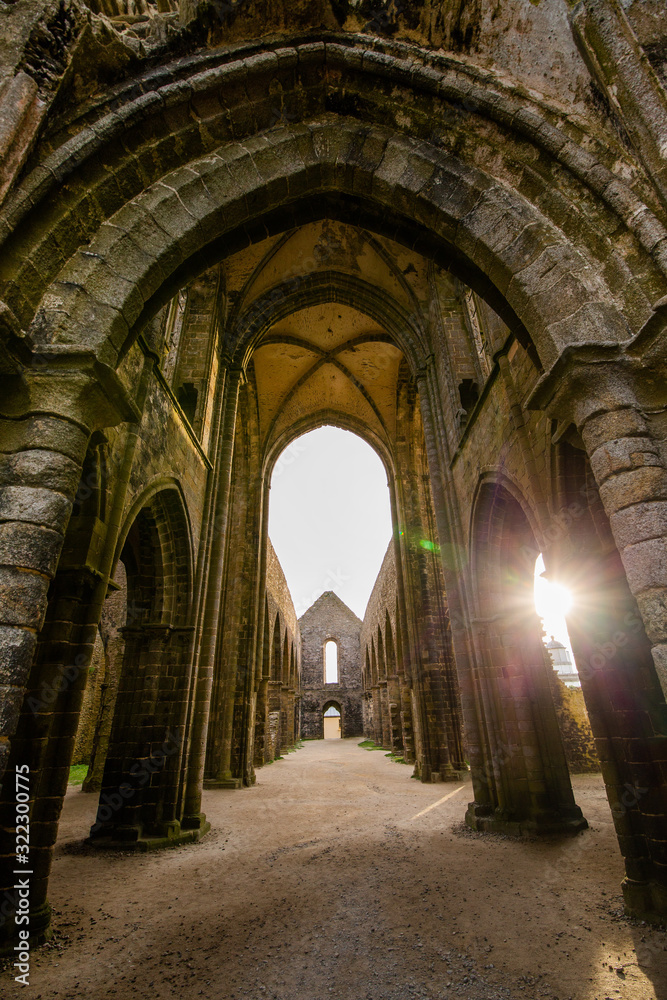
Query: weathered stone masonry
(329,619)
(278,711)
(387,695)
(222,228)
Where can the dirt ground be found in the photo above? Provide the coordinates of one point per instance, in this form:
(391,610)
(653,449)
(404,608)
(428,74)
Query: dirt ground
(337,876)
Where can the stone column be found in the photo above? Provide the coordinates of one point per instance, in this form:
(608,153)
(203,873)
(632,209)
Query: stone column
(128,806)
(193,817)
(47,414)
(633,487)
(284,717)
(261,724)
(46,731)
(395,728)
(386,718)
(274,737)
(406,725)
(291,737)
(40,469)
(377,715)
(632,480)
(624,666)
(367,709)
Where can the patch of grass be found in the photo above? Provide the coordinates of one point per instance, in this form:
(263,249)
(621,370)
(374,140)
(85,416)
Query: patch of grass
(370,745)
(77,774)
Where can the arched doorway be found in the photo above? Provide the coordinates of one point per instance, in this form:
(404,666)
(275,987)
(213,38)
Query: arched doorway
(332,721)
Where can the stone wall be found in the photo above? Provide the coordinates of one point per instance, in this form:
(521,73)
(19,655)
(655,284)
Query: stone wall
(278,593)
(382,604)
(278,694)
(388,702)
(330,618)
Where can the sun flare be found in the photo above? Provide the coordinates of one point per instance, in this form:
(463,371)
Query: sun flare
(552,601)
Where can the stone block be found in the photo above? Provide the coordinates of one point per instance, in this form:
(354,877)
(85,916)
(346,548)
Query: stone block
(92,323)
(41,468)
(612,426)
(37,506)
(652,605)
(22,597)
(10,706)
(659,653)
(44,432)
(623,454)
(646,565)
(17,646)
(29,546)
(634,487)
(639,523)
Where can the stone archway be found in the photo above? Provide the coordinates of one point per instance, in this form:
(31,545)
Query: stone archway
(146,759)
(520,773)
(332,719)
(82,282)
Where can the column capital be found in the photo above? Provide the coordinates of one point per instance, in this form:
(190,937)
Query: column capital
(595,378)
(64,381)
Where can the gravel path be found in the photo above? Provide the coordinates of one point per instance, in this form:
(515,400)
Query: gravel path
(337,876)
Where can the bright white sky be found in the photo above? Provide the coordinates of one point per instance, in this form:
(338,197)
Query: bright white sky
(329,517)
(330,524)
(552,602)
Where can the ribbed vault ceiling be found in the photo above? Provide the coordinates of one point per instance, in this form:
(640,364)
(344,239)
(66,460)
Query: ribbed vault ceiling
(320,346)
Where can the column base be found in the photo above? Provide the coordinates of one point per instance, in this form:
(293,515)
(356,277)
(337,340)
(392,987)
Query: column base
(223,783)
(131,839)
(448,774)
(645,900)
(429,777)
(39,928)
(484,819)
(197,821)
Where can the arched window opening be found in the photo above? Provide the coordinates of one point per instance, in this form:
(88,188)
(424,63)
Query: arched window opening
(187,396)
(470,305)
(174,318)
(331,662)
(330,517)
